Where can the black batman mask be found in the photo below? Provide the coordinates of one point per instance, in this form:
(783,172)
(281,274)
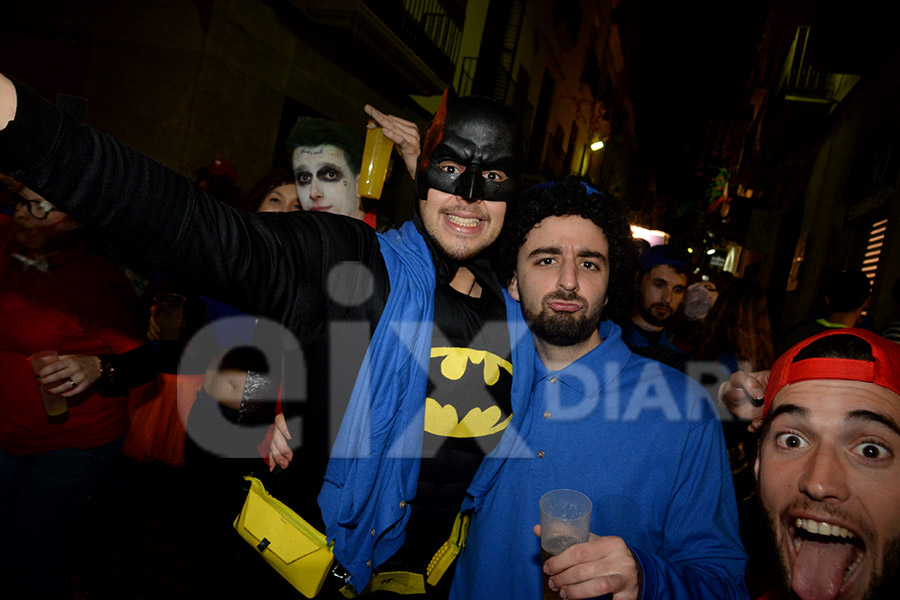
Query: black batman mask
(480,135)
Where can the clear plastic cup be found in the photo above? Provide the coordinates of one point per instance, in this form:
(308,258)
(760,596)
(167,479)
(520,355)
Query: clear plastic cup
(53,405)
(565,521)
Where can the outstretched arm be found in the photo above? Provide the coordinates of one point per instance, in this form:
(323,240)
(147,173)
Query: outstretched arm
(263,264)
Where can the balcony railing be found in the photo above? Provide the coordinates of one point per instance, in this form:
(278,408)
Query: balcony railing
(802,83)
(427,28)
(466,77)
(504,88)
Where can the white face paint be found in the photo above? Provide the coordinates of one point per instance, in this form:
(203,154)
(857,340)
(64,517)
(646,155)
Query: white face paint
(325,181)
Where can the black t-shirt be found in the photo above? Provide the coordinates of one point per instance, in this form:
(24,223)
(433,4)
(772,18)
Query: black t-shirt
(653,336)
(470,378)
(656,351)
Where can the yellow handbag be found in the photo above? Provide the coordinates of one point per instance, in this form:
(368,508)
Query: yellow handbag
(292,546)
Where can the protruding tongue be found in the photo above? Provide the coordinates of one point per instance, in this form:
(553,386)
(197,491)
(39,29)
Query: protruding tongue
(819,569)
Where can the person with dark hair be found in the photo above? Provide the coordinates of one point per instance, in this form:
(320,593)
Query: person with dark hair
(737,331)
(737,336)
(55,295)
(567,197)
(847,296)
(828,470)
(659,290)
(276,192)
(425,293)
(666,513)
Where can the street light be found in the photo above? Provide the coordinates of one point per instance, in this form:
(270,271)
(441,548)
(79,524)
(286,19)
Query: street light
(597,145)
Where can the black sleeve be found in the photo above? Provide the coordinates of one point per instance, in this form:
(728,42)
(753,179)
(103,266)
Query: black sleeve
(667,356)
(274,265)
(120,372)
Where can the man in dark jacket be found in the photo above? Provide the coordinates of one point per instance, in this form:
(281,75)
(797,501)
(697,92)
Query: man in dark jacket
(328,279)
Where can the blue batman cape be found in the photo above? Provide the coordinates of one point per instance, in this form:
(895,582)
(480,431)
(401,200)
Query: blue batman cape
(374,465)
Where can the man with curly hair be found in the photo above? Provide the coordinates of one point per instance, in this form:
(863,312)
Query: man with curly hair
(664,513)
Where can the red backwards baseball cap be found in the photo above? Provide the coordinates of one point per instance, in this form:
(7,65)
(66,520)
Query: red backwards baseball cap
(885,371)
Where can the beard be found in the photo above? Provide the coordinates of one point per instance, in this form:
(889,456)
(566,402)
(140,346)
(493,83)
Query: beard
(562,329)
(647,313)
(883,584)
(886,583)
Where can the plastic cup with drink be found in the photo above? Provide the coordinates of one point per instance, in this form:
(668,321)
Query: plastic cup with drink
(54,405)
(565,521)
(168,312)
(376,156)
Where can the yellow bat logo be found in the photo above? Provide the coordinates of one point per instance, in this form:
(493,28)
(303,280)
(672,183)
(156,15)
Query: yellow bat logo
(444,420)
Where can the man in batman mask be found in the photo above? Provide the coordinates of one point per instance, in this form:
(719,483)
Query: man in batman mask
(425,291)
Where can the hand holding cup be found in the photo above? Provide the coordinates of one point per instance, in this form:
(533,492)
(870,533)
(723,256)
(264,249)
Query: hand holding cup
(565,521)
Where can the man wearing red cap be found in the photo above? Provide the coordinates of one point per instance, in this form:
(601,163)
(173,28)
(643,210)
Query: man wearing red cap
(828,467)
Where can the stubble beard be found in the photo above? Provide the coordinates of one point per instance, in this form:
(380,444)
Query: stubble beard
(458,248)
(883,585)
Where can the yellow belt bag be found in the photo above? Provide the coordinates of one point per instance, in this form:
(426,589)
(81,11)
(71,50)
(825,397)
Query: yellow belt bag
(405,583)
(447,553)
(294,548)
(301,554)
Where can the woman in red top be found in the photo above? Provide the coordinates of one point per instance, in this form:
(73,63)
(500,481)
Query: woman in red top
(55,294)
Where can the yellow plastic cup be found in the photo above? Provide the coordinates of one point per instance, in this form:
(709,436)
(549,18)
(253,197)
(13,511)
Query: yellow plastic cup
(376,156)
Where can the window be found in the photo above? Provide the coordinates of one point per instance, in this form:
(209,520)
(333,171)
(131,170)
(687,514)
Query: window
(873,249)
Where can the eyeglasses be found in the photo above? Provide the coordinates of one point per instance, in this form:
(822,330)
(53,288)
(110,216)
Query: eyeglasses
(39,209)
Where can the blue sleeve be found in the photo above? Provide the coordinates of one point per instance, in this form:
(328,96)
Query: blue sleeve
(704,555)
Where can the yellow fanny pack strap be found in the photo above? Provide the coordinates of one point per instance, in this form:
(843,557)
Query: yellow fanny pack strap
(447,553)
(406,582)
(397,582)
